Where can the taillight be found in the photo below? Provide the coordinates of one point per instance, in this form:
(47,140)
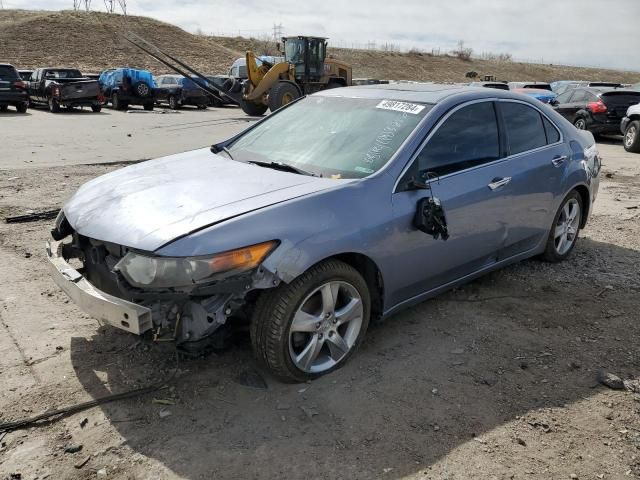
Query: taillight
(20,84)
(597,107)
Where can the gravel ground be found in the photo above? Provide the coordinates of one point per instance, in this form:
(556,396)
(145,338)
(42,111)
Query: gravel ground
(494,380)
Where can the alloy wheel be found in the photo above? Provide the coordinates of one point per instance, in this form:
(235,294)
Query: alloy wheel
(566,230)
(580,124)
(630,136)
(325,327)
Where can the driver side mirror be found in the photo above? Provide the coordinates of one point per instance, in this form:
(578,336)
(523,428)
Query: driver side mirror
(430,218)
(554,103)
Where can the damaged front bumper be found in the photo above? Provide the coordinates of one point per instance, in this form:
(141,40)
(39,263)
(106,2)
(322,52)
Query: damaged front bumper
(115,311)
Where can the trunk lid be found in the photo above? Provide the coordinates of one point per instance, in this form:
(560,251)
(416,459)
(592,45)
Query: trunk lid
(619,101)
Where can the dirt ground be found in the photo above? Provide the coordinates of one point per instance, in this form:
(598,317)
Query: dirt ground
(495,380)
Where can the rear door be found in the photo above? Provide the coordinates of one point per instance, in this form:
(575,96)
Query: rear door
(462,156)
(577,102)
(536,164)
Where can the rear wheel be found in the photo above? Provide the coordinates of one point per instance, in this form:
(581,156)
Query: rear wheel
(311,326)
(21,107)
(252,108)
(202,106)
(281,94)
(565,229)
(580,123)
(4,108)
(54,105)
(96,108)
(148,106)
(141,89)
(632,137)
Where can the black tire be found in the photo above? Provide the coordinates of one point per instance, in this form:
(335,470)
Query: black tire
(54,105)
(96,108)
(202,106)
(253,109)
(148,106)
(551,254)
(215,103)
(275,310)
(141,89)
(173,102)
(631,139)
(21,107)
(281,94)
(116,104)
(580,123)
(4,108)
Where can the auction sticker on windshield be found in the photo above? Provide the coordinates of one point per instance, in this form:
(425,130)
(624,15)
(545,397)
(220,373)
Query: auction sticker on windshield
(394,105)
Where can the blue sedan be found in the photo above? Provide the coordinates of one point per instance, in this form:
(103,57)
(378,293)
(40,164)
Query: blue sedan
(342,207)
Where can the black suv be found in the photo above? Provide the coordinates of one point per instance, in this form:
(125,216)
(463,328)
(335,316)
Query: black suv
(597,109)
(13,91)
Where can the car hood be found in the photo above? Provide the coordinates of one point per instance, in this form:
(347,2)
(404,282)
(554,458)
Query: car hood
(146,206)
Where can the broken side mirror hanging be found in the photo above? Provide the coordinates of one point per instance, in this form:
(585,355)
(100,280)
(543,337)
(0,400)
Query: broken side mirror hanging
(430,218)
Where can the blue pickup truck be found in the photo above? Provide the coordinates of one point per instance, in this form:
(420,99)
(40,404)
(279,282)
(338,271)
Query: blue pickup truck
(128,86)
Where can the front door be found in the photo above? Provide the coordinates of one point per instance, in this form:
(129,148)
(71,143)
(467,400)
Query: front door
(462,161)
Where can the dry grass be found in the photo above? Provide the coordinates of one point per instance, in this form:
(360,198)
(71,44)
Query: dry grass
(93,41)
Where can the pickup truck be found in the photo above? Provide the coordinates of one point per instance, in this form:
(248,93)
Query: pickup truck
(630,128)
(12,90)
(64,87)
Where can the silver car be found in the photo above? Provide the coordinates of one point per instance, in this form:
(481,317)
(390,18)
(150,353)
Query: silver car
(344,206)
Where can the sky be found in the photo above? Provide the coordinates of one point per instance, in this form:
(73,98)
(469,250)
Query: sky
(599,33)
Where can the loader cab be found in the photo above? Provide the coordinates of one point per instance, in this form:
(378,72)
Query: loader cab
(307,55)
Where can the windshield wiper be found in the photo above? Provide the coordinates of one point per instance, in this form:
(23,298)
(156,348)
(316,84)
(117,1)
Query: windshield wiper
(285,167)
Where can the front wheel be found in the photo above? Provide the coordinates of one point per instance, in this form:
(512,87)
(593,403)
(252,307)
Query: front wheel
(148,106)
(282,94)
(311,326)
(632,137)
(252,108)
(21,107)
(173,102)
(565,229)
(96,108)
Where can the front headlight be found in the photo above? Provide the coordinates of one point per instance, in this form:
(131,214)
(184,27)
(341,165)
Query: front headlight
(164,272)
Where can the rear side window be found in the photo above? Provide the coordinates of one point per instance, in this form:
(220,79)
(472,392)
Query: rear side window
(553,135)
(469,137)
(564,97)
(579,96)
(524,127)
(8,73)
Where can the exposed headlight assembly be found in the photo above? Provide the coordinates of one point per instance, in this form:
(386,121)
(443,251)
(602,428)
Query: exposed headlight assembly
(164,272)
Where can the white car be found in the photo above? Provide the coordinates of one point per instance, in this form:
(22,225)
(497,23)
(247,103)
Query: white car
(630,128)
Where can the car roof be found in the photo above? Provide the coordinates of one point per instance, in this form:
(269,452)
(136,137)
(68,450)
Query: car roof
(607,89)
(416,92)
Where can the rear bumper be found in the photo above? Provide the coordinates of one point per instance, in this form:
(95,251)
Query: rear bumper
(79,102)
(119,313)
(11,98)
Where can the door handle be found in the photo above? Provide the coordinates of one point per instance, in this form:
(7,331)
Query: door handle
(558,160)
(499,182)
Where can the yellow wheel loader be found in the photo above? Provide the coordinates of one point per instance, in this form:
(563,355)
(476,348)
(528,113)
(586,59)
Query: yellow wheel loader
(305,70)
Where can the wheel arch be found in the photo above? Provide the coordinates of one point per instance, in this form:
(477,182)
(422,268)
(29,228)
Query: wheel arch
(583,191)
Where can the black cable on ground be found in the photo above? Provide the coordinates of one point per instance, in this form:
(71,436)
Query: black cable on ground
(61,413)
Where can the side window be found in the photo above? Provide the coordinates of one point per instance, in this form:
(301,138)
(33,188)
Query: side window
(564,97)
(469,137)
(524,127)
(553,135)
(580,96)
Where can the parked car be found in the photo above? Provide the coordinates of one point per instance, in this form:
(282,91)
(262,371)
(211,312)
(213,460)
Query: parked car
(177,91)
(597,109)
(63,87)
(562,86)
(13,90)
(25,75)
(226,83)
(128,86)
(346,205)
(545,96)
(538,85)
(238,68)
(630,128)
(497,85)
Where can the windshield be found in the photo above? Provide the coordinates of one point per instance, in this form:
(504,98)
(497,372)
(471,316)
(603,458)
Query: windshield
(63,74)
(332,136)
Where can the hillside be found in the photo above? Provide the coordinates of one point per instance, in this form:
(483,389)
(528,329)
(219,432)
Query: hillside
(93,41)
